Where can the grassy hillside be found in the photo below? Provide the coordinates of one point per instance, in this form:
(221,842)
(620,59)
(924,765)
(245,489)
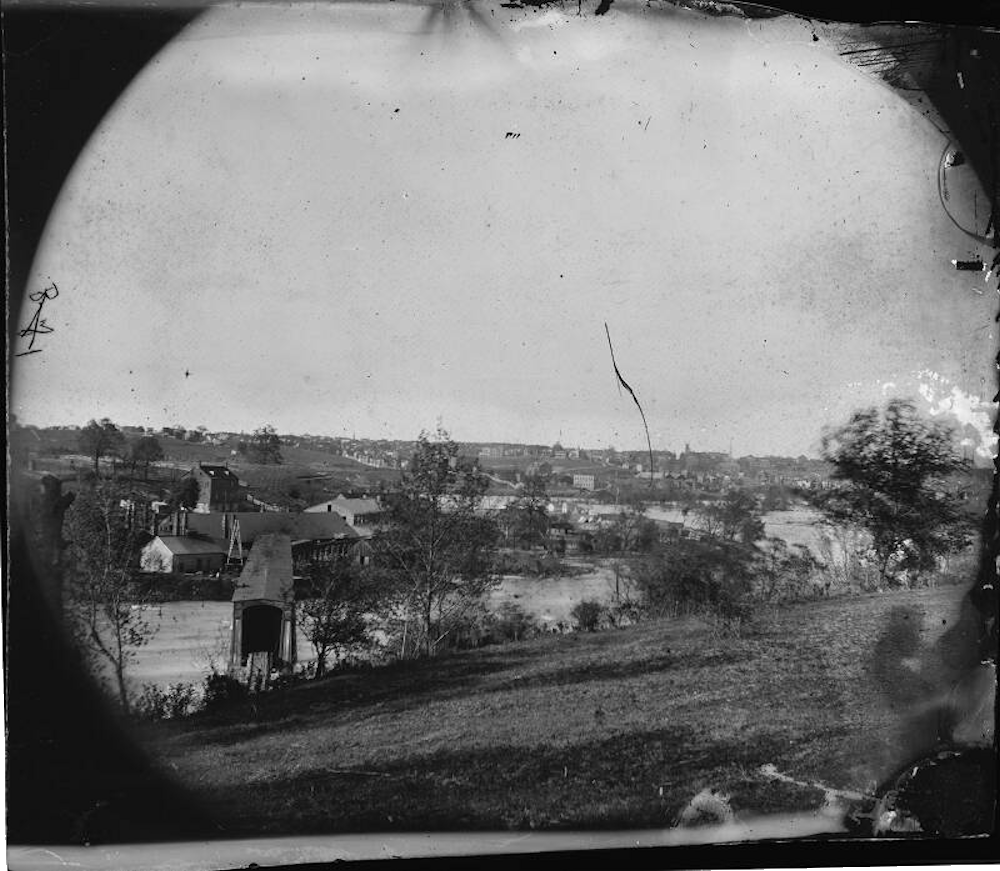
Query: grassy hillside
(306,475)
(613,729)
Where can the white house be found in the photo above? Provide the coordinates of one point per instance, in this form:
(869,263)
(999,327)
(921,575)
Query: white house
(181,553)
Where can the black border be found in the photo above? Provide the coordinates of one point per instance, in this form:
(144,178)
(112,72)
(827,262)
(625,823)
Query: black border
(69,762)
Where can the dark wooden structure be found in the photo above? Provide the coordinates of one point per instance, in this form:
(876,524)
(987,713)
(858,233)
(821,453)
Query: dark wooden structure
(263,635)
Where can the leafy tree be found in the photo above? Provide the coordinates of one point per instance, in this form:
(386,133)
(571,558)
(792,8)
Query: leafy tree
(264,446)
(436,549)
(687,501)
(735,515)
(587,614)
(712,577)
(336,598)
(183,494)
(145,450)
(103,600)
(776,498)
(531,523)
(783,573)
(894,466)
(629,531)
(646,535)
(100,439)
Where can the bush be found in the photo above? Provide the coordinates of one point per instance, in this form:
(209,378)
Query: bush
(178,700)
(221,689)
(467,630)
(588,615)
(512,623)
(479,628)
(711,579)
(625,613)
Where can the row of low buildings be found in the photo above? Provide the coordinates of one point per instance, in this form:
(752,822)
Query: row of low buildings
(226,521)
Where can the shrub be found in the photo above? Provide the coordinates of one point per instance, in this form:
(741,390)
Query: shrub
(625,613)
(587,614)
(512,623)
(467,630)
(221,689)
(712,579)
(178,700)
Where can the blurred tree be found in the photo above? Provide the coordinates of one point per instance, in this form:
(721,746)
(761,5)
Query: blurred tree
(894,466)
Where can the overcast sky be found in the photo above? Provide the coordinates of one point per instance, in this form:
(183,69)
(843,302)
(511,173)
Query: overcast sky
(362,219)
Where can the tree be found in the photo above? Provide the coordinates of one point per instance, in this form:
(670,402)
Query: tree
(103,600)
(735,515)
(531,512)
(894,466)
(436,550)
(587,615)
(99,439)
(335,598)
(264,446)
(712,577)
(776,498)
(145,450)
(183,494)
(630,530)
(687,501)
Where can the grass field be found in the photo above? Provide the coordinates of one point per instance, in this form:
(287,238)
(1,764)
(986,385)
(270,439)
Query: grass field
(614,729)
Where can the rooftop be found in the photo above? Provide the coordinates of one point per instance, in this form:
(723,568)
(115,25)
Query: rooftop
(254,524)
(189,544)
(267,575)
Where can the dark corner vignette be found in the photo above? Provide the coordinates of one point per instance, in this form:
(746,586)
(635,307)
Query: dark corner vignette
(74,776)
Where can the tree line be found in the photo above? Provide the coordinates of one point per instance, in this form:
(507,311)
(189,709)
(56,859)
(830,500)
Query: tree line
(103,438)
(435,554)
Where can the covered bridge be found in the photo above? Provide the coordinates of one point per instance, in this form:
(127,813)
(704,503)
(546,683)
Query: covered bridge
(263,636)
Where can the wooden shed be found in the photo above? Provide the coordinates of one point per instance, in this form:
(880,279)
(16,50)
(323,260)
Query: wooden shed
(263,635)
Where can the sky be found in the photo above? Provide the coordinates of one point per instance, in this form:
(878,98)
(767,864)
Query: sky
(368,219)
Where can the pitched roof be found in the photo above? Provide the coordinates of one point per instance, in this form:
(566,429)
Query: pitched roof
(267,574)
(221,472)
(354,506)
(313,527)
(186,544)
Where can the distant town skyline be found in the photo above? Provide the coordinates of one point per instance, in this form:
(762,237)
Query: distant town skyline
(370,219)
